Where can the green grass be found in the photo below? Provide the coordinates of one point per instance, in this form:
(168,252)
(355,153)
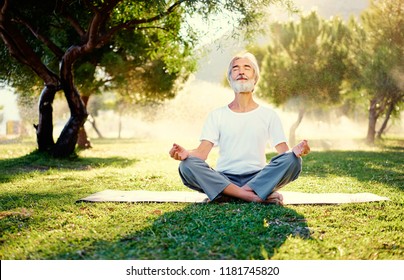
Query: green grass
(40,219)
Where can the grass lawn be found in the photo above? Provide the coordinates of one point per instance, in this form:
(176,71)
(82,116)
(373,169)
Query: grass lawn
(40,219)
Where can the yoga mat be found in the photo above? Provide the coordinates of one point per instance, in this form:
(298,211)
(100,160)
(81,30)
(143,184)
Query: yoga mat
(289,197)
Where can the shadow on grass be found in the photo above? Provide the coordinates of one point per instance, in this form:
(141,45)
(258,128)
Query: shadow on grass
(41,162)
(204,232)
(365,166)
(17,213)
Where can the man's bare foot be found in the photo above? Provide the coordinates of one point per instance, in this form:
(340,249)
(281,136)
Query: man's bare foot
(275,198)
(301,149)
(253,195)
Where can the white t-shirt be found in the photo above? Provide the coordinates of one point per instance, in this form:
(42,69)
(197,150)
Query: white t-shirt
(242,137)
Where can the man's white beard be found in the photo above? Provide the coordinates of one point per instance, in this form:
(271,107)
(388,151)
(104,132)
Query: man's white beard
(242,86)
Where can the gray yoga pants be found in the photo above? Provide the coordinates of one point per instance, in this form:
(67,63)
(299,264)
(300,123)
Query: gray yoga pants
(282,169)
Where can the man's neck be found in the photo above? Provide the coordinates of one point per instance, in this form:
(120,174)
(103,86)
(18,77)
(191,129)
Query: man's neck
(243,102)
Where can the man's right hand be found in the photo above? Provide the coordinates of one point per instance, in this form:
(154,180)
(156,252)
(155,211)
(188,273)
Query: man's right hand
(301,149)
(178,153)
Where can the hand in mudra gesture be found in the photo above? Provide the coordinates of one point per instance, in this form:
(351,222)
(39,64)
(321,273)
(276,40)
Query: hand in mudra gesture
(179,153)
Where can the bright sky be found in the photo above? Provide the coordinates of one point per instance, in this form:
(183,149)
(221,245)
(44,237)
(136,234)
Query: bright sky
(216,27)
(219,25)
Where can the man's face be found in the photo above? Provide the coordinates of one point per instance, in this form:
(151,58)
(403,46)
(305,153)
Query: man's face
(242,76)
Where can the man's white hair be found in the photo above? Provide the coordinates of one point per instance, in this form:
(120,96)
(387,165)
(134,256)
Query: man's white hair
(253,61)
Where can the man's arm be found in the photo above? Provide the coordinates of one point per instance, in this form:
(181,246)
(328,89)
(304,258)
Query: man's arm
(203,150)
(179,153)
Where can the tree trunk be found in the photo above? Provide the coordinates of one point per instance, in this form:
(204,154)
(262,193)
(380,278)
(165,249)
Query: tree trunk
(91,119)
(19,48)
(386,120)
(44,128)
(373,115)
(67,140)
(83,142)
(120,125)
(292,131)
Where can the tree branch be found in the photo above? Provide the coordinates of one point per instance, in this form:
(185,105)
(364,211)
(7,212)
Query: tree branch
(75,24)
(100,17)
(21,50)
(131,24)
(4,6)
(51,46)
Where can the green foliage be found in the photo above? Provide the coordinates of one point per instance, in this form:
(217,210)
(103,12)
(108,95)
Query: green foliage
(377,64)
(315,64)
(16,75)
(376,61)
(40,219)
(304,62)
(148,36)
(60,22)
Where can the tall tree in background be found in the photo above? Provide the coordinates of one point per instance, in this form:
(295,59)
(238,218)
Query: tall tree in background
(58,38)
(303,67)
(377,61)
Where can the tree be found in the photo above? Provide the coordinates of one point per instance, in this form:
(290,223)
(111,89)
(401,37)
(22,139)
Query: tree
(57,38)
(304,65)
(377,63)
(47,22)
(142,80)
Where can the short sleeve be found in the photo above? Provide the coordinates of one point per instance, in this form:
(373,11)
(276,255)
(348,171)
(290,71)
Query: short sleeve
(276,132)
(210,130)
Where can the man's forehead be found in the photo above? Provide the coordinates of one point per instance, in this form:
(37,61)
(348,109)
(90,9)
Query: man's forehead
(242,62)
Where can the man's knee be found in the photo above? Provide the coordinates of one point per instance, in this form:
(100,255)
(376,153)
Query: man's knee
(289,162)
(188,165)
(288,159)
